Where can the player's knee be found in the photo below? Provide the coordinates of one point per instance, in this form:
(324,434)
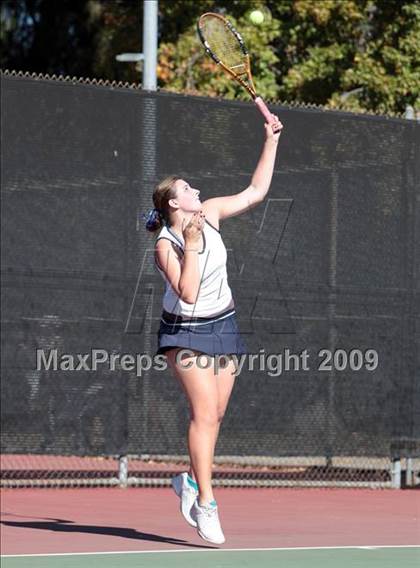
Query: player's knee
(207,418)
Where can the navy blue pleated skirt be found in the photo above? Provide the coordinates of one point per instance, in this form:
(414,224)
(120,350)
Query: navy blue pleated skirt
(216,335)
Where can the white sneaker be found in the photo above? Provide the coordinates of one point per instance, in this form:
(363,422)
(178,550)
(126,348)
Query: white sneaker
(208,524)
(187,495)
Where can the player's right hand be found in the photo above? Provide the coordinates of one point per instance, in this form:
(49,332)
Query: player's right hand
(273,130)
(193,229)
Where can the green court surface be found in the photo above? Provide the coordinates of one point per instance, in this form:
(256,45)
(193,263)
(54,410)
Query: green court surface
(334,557)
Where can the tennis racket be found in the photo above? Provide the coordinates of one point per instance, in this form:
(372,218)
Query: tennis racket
(227,48)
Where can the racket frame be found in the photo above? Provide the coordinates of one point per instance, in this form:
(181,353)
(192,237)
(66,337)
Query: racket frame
(249,87)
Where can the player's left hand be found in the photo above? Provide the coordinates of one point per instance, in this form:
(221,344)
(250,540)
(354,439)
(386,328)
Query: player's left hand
(274,129)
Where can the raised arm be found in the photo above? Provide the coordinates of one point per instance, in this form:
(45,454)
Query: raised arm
(231,205)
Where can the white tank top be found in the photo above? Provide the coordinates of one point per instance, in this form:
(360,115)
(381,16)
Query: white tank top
(215,295)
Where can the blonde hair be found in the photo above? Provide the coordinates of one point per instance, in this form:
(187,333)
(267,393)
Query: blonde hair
(162,193)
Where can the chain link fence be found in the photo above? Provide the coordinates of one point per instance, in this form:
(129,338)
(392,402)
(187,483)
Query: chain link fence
(324,272)
(228,471)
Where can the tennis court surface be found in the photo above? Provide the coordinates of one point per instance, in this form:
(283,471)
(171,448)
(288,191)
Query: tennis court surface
(276,527)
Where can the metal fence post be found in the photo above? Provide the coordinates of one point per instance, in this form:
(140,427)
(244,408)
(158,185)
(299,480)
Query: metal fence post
(123,471)
(409,474)
(396,473)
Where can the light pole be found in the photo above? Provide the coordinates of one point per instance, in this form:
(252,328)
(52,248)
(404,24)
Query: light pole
(150,46)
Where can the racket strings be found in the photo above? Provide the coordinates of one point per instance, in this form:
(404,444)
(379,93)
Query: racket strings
(224,44)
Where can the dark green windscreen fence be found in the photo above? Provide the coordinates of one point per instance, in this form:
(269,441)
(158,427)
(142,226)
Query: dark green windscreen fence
(329,261)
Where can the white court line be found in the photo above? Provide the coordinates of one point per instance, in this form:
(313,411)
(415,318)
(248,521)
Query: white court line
(366,547)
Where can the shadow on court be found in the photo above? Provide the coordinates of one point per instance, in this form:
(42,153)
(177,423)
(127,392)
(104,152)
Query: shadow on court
(62,525)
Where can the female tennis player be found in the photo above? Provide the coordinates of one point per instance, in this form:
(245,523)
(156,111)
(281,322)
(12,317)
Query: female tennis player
(199,320)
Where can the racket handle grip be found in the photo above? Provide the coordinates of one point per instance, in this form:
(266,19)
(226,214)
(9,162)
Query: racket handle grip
(264,110)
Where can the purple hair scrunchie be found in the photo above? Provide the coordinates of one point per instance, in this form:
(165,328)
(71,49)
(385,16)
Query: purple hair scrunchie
(151,217)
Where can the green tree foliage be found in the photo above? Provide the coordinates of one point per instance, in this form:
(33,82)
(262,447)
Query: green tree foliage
(350,54)
(388,69)
(184,66)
